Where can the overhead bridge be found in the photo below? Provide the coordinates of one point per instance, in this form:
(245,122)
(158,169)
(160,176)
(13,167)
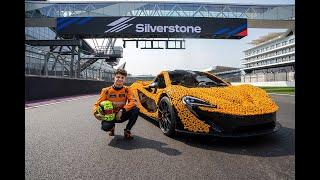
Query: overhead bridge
(44,14)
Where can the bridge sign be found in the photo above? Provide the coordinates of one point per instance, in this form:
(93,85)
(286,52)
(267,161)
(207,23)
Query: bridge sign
(152,27)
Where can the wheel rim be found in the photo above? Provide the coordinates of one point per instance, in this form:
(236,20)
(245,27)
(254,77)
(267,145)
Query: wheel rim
(165,120)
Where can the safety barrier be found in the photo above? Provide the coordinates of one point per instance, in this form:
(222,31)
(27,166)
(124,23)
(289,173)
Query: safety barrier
(39,87)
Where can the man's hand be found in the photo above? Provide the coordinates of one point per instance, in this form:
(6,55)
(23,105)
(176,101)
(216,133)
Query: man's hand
(119,114)
(98,116)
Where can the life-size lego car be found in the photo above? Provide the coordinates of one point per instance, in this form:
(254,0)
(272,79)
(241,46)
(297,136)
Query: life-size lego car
(202,103)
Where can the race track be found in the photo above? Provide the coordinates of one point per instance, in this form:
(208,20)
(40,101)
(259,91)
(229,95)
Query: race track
(64,141)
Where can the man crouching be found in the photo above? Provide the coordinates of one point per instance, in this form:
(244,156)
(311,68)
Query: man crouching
(123,105)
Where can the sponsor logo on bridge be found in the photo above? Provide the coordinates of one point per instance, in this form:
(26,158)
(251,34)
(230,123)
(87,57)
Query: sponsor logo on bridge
(157,27)
(122,24)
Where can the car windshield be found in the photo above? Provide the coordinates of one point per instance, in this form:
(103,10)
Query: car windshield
(194,79)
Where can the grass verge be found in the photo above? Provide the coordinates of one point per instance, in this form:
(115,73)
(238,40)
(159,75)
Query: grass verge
(280,90)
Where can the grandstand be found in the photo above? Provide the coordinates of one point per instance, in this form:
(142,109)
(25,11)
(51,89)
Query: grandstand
(134,78)
(230,74)
(272,59)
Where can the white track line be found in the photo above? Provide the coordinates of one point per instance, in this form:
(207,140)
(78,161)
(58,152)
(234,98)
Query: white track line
(59,102)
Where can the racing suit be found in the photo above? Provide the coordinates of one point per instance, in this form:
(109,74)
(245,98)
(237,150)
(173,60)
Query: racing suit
(122,99)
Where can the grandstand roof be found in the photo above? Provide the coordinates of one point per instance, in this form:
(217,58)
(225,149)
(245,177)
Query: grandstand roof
(122,66)
(271,37)
(216,69)
(265,38)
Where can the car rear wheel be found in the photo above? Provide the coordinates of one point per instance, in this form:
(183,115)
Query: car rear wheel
(167,121)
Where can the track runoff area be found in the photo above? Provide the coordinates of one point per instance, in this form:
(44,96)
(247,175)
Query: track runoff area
(64,141)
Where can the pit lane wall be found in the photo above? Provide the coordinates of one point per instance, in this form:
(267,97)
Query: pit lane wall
(37,87)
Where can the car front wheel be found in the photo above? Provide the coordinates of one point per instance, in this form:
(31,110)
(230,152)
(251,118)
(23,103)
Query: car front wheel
(167,121)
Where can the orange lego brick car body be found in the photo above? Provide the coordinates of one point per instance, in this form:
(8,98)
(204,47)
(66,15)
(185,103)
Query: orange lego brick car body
(200,102)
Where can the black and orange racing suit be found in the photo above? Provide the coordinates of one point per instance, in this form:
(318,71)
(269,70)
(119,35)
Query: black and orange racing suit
(121,98)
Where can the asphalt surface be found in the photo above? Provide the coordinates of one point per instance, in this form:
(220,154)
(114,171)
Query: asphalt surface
(64,141)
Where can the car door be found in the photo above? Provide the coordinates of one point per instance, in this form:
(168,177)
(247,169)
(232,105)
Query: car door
(148,99)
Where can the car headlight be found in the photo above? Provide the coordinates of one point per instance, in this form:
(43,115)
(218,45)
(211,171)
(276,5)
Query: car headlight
(194,102)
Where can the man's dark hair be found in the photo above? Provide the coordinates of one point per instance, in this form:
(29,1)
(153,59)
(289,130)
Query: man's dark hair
(121,71)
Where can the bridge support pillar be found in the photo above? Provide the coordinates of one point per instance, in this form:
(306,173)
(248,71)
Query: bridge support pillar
(78,62)
(72,62)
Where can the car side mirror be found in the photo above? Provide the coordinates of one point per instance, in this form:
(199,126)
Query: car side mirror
(154,85)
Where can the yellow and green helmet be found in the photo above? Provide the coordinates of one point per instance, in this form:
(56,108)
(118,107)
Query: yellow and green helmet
(106,109)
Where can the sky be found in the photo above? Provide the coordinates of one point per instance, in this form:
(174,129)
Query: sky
(199,54)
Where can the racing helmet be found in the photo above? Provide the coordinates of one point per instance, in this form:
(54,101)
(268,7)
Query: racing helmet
(106,110)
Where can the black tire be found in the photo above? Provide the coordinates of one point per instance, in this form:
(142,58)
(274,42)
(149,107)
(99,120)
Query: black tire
(167,121)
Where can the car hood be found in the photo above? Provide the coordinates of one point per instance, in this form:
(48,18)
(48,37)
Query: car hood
(236,100)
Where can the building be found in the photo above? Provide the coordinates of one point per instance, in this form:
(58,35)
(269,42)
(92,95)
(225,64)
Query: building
(271,59)
(230,74)
(134,78)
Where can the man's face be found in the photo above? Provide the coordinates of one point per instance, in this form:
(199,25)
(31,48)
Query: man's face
(119,79)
